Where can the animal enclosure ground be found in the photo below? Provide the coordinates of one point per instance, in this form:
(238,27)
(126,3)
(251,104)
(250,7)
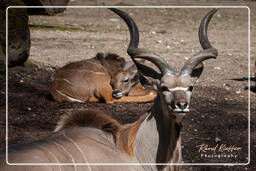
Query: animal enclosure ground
(219,105)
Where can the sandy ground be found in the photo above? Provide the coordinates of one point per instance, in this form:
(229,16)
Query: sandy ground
(220,101)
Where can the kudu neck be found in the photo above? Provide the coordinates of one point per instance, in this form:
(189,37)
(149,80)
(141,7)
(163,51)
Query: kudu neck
(158,137)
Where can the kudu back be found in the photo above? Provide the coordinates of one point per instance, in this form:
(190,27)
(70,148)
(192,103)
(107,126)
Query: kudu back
(94,137)
(103,78)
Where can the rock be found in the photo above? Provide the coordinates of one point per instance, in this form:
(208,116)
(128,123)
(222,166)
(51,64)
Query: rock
(238,91)
(217,140)
(153,32)
(48,11)
(114,19)
(18,34)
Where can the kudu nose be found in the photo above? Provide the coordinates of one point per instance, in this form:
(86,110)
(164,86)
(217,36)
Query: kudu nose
(117,94)
(182,105)
(116,91)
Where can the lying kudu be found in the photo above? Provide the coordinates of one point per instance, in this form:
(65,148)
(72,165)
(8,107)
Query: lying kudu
(94,137)
(102,78)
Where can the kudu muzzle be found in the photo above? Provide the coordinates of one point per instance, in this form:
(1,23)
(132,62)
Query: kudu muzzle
(180,101)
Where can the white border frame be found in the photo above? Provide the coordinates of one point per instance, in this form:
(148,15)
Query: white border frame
(95,164)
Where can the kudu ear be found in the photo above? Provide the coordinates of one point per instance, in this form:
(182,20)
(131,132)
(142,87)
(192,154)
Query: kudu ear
(197,71)
(148,82)
(131,64)
(133,72)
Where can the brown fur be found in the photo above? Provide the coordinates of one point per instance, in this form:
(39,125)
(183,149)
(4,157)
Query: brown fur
(124,135)
(127,137)
(89,118)
(90,81)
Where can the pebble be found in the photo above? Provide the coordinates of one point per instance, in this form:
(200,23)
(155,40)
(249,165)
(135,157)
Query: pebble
(29,109)
(218,68)
(153,32)
(21,81)
(114,19)
(238,91)
(177,44)
(217,139)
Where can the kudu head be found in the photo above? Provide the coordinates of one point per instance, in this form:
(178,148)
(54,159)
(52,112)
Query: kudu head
(125,75)
(124,80)
(174,89)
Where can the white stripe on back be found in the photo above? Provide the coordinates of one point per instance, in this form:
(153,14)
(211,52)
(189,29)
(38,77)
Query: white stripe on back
(69,98)
(78,147)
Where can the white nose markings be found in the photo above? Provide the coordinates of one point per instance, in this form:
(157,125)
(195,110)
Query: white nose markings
(178,88)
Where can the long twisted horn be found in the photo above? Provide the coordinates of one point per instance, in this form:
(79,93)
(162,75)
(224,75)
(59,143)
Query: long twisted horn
(133,49)
(208,52)
(202,32)
(197,59)
(159,61)
(134,32)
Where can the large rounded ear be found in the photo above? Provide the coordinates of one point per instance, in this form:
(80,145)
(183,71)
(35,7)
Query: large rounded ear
(197,71)
(133,72)
(131,64)
(148,82)
(132,68)
(128,65)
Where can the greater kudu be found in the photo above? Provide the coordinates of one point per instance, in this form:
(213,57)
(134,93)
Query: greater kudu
(94,137)
(108,78)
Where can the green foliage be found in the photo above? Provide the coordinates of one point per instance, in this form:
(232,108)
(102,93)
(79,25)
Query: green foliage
(30,64)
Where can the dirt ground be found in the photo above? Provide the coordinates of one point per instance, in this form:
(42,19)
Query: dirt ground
(219,105)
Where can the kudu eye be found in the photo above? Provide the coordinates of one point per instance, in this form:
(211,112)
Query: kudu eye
(163,88)
(126,80)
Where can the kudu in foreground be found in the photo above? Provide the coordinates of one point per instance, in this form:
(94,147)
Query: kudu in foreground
(94,137)
(108,78)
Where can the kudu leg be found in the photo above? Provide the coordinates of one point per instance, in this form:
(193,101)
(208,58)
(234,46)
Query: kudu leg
(138,90)
(106,93)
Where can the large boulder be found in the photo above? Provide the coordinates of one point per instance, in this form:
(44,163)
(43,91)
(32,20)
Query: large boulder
(47,11)
(18,33)
(18,30)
